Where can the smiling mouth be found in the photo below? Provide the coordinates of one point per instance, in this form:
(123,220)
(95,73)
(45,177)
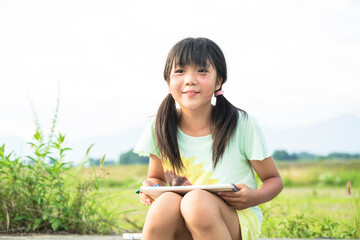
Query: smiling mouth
(190,91)
(191,94)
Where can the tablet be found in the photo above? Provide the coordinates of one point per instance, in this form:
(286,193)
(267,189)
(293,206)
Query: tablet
(156,191)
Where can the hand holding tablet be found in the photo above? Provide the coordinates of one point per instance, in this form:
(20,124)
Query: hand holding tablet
(156,191)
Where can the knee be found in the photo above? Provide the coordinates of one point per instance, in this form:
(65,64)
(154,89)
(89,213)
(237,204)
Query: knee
(164,210)
(197,210)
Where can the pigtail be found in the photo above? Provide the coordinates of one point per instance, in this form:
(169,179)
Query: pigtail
(224,117)
(166,133)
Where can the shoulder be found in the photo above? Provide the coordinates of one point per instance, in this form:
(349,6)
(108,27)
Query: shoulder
(150,123)
(247,125)
(246,119)
(147,143)
(149,129)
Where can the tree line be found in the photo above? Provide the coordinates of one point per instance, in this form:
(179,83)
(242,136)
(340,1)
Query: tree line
(283,155)
(129,157)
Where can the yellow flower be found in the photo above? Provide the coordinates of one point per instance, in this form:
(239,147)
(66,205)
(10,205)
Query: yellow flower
(194,173)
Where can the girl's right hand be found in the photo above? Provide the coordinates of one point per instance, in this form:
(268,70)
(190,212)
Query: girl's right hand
(145,199)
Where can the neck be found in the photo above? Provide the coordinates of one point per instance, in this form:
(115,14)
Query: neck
(195,123)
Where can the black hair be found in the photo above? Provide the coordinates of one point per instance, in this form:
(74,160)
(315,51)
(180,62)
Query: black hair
(224,115)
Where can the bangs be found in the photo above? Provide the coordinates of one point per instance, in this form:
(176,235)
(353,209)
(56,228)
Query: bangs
(192,52)
(198,51)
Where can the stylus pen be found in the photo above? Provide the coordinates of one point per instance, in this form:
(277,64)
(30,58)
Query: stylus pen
(138,191)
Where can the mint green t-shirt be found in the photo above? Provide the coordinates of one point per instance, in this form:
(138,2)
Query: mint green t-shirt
(247,143)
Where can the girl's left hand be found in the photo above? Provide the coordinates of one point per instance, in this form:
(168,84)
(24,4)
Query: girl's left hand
(242,199)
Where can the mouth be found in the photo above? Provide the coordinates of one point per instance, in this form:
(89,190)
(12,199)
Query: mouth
(191,93)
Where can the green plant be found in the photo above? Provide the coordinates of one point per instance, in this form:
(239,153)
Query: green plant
(41,194)
(300,226)
(355,208)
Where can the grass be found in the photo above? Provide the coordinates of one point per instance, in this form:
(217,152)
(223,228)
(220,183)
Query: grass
(321,207)
(305,209)
(123,181)
(320,174)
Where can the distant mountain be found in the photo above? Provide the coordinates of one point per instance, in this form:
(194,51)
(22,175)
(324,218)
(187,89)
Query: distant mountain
(111,145)
(339,134)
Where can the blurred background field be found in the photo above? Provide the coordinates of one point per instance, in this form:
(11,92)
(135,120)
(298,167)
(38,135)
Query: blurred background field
(314,202)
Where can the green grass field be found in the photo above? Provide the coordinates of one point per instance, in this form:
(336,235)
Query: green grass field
(314,202)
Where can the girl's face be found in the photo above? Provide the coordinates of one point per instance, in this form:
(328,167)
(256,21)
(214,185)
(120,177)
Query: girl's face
(193,86)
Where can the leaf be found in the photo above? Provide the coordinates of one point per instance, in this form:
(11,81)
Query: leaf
(21,217)
(8,156)
(31,158)
(31,144)
(102,160)
(41,145)
(53,159)
(88,150)
(55,225)
(36,223)
(56,145)
(97,184)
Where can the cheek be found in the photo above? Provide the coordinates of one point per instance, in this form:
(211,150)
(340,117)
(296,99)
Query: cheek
(174,86)
(209,86)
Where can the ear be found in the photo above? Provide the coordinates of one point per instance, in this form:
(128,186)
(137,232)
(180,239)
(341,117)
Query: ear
(218,85)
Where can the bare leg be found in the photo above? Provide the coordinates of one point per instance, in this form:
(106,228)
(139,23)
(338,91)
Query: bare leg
(208,217)
(164,220)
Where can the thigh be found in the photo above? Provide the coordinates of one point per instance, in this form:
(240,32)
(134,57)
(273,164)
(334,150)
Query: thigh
(208,206)
(164,219)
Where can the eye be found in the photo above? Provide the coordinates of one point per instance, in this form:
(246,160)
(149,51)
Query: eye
(202,70)
(179,71)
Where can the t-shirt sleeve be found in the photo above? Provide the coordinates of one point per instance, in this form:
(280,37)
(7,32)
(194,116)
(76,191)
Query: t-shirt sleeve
(147,143)
(254,143)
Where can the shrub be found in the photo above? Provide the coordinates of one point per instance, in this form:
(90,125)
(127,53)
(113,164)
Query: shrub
(41,194)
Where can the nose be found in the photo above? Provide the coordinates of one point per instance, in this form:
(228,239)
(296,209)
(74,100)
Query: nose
(191,78)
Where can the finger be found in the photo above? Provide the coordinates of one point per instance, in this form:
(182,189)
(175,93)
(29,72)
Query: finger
(148,183)
(229,194)
(236,205)
(145,196)
(241,186)
(145,199)
(231,200)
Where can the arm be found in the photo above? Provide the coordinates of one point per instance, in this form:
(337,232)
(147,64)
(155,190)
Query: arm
(155,176)
(272,185)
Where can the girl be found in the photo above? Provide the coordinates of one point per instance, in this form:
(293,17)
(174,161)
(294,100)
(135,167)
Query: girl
(202,144)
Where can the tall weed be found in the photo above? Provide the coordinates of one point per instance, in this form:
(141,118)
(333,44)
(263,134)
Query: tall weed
(39,193)
(354,201)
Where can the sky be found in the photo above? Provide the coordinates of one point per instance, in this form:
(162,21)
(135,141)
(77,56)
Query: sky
(290,63)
